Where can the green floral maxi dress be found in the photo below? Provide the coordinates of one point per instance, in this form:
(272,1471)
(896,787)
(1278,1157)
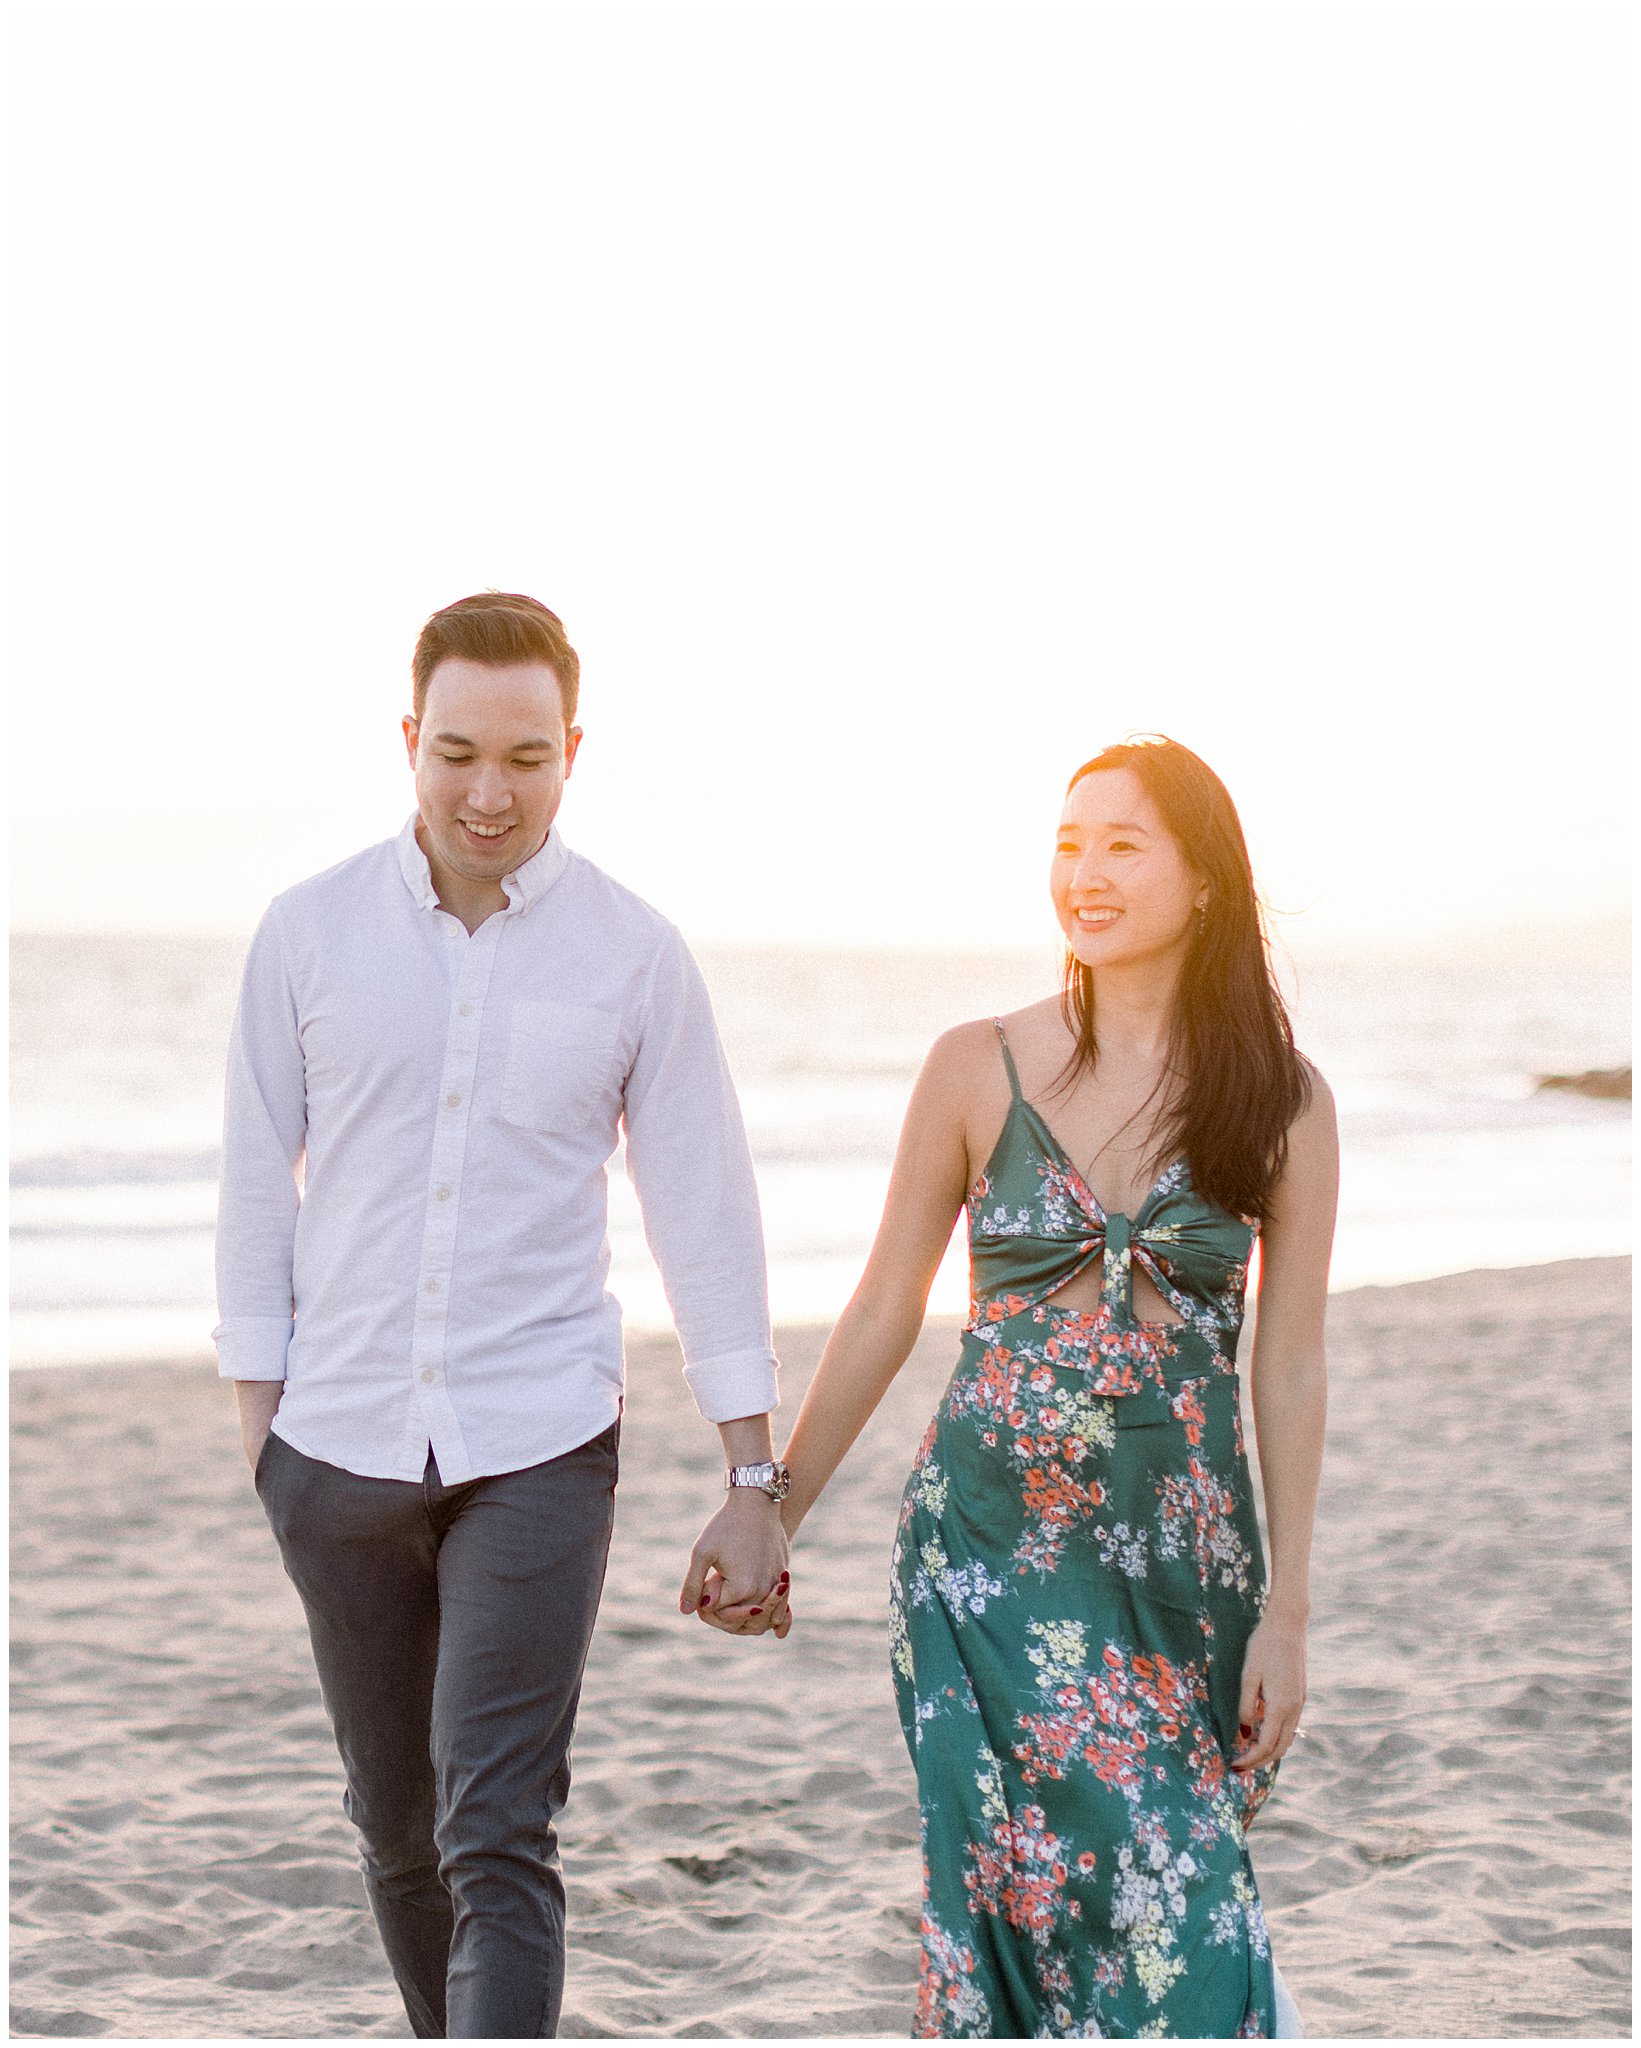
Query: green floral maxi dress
(1076,1576)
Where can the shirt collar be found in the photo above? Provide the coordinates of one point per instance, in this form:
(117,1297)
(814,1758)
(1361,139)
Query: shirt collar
(527,884)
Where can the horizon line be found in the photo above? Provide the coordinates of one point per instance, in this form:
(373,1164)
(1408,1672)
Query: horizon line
(1602,927)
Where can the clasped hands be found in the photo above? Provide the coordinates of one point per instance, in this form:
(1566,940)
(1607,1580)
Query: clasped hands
(738,1579)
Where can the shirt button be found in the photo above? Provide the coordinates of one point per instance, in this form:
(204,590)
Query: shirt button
(464,1009)
(444,1194)
(454,1101)
(428,1375)
(432,1286)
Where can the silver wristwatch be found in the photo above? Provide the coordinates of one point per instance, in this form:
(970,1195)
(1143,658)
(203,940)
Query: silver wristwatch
(769,1477)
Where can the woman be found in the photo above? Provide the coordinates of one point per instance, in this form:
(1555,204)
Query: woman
(1095,1683)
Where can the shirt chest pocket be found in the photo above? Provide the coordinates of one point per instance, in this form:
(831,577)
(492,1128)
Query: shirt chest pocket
(562,1066)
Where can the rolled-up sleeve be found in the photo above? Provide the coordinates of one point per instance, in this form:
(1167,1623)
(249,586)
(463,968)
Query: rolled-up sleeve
(264,1139)
(688,1157)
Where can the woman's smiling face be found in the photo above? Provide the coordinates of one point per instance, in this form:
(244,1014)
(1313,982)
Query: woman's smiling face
(1122,889)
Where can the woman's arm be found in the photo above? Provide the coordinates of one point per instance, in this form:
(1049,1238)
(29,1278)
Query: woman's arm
(879,1327)
(1290,1410)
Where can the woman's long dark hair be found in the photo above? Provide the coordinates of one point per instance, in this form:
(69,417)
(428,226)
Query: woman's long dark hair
(1230,1042)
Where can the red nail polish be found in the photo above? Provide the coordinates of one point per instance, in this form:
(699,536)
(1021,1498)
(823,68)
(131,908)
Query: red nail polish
(705,1600)
(757,1610)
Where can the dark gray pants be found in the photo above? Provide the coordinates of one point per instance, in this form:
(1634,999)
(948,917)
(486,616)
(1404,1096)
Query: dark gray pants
(450,1626)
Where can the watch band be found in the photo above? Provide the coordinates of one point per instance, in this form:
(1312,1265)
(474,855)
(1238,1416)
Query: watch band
(769,1477)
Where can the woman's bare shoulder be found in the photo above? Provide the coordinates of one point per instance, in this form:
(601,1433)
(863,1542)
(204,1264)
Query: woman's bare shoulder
(966,1075)
(962,1054)
(1044,1018)
(973,1047)
(1318,1110)
(1039,1040)
(1310,1171)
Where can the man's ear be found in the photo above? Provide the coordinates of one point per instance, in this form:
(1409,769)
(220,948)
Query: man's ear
(572,746)
(411,731)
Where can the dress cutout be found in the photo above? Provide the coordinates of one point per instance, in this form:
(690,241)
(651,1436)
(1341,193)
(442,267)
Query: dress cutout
(1077,1572)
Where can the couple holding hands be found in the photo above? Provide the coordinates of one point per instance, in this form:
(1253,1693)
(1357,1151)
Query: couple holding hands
(438,1046)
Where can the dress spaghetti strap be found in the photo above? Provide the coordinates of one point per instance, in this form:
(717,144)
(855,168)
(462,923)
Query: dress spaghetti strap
(1008,1058)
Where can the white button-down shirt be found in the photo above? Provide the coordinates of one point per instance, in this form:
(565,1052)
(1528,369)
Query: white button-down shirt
(413,1224)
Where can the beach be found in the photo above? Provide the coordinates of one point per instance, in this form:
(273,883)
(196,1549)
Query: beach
(1447,1853)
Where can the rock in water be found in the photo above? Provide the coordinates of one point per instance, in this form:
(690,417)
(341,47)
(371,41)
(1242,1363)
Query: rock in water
(1609,1084)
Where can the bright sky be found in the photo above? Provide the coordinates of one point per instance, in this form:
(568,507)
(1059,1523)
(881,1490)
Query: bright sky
(897,403)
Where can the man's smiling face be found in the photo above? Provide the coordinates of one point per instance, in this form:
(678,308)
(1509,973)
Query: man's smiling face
(490,754)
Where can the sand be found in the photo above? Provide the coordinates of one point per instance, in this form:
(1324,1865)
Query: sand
(1447,1854)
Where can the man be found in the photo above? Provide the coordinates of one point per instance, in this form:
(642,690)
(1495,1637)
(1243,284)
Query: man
(435,1044)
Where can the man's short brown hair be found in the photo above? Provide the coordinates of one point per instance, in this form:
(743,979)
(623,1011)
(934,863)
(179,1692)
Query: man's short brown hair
(499,628)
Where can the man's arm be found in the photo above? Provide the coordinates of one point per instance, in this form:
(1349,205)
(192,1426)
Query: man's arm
(688,1156)
(258,1401)
(263,1143)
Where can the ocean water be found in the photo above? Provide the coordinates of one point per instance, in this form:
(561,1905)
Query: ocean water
(1452,1159)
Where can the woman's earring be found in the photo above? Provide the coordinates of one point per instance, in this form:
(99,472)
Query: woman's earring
(1202,915)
